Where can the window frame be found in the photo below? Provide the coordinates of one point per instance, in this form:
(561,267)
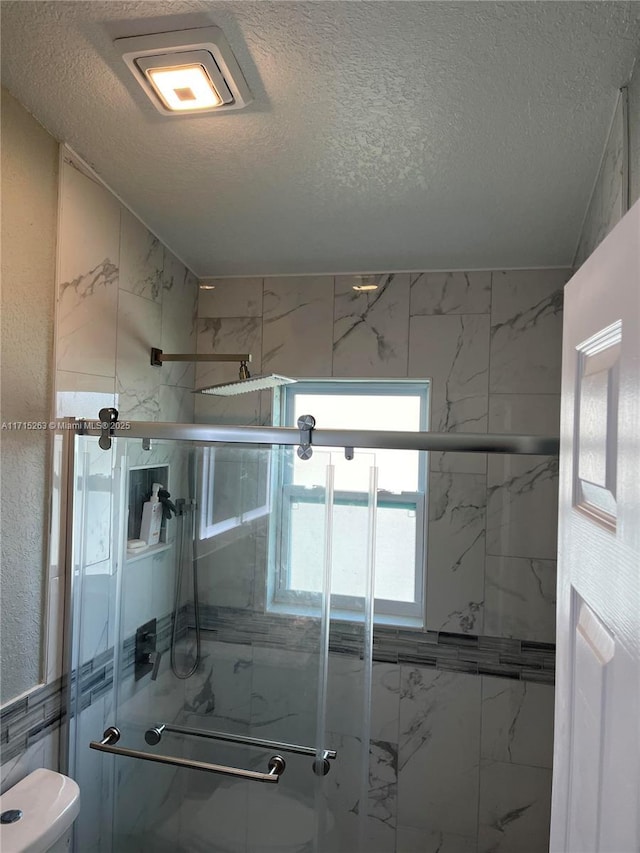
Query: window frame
(207,528)
(281,596)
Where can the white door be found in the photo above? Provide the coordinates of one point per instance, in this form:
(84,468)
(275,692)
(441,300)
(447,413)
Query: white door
(596,776)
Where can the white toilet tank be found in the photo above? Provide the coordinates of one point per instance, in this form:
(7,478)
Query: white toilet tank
(41,809)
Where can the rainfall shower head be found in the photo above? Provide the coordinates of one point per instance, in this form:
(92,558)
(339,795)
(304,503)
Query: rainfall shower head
(245,383)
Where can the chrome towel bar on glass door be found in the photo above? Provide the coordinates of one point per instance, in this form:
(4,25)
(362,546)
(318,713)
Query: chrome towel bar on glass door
(154,734)
(111,736)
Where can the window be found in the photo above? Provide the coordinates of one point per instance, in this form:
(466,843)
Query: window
(296,569)
(234,488)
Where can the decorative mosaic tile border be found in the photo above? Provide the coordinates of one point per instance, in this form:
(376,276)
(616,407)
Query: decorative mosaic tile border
(31,718)
(509,658)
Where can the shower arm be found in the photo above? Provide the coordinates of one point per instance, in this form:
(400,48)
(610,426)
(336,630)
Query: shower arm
(158,357)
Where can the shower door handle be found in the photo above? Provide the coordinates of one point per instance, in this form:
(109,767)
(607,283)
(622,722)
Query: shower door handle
(111,737)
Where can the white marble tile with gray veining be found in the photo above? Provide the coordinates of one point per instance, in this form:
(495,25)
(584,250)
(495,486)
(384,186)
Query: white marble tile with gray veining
(526,331)
(370,335)
(438,773)
(517,721)
(451,293)
(176,404)
(522,506)
(220,336)
(342,791)
(230,297)
(385,701)
(284,695)
(179,315)
(453,351)
(137,382)
(218,696)
(88,261)
(345,694)
(455,563)
(528,414)
(141,259)
(515,806)
(298,326)
(383,781)
(87,311)
(82,395)
(228,335)
(413,840)
(520,598)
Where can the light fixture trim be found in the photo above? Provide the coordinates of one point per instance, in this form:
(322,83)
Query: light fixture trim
(206,46)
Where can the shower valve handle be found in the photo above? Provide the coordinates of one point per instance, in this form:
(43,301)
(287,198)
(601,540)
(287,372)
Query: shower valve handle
(155,658)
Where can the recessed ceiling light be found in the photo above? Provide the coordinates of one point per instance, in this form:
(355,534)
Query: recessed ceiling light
(187,72)
(207,287)
(367,283)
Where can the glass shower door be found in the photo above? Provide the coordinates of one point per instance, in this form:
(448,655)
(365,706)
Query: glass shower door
(207,660)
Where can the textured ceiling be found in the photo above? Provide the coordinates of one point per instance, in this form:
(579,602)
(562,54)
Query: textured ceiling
(384,135)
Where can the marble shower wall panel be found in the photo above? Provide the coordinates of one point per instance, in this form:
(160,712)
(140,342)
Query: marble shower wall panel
(515,808)
(88,265)
(526,331)
(453,351)
(522,506)
(141,259)
(298,326)
(120,292)
(179,317)
(138,383)
(520,598)
(439,749)
(517,722)
(231,297)
(456,557)
(219,335)
(371,329)
(450,293)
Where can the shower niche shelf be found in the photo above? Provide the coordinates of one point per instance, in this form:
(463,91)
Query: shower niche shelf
(139,484)
(151,551)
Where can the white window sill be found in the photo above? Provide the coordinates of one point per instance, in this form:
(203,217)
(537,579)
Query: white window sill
(383,619)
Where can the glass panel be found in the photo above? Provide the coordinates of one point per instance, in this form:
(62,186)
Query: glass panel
(185,641)
(344,797)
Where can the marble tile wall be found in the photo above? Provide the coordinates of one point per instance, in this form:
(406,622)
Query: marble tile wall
(456,761)
(120,292)
(459,760)
(490,344)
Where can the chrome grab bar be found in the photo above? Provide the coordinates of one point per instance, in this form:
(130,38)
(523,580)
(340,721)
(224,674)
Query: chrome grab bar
(111,736)
(154,735)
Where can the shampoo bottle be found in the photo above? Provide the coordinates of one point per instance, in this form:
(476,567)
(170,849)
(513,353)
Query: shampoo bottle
(152,517)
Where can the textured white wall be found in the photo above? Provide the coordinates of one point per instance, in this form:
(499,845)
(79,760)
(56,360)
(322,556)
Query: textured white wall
(29,209)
